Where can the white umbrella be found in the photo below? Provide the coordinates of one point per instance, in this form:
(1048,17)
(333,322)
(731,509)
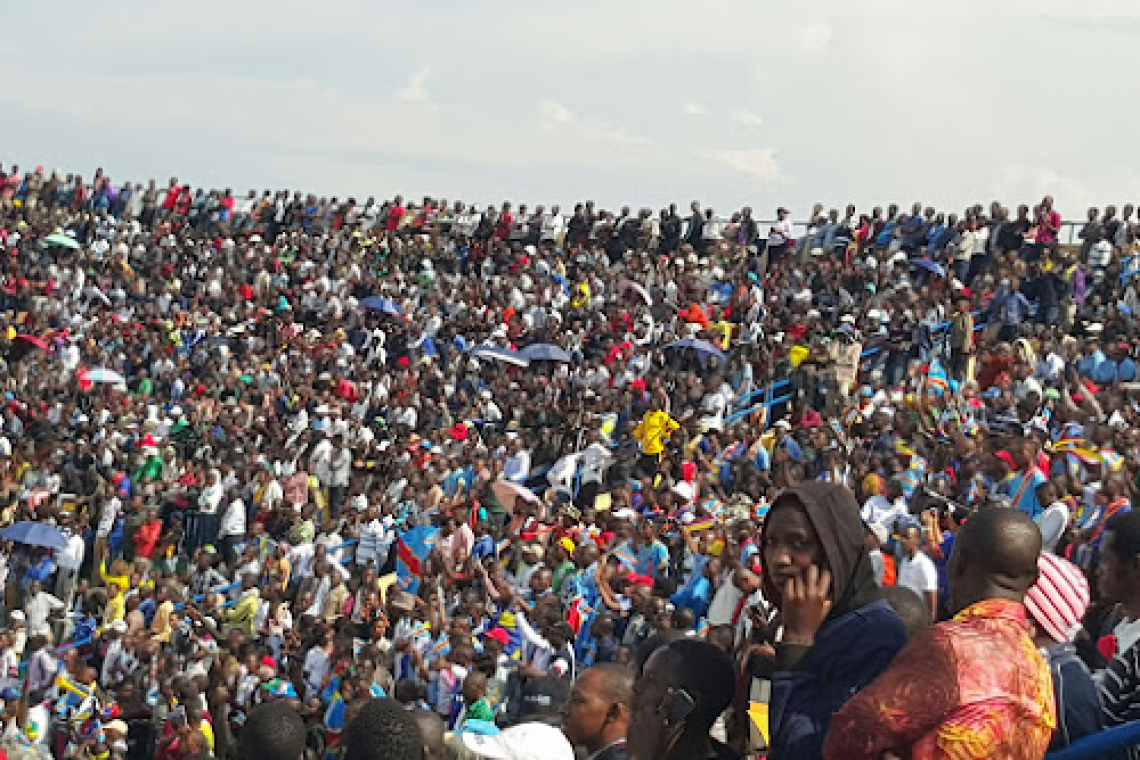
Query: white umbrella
(627,286)
(505,355)
(104,375)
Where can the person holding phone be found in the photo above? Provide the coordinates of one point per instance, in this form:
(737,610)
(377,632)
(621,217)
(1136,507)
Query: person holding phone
(838,632)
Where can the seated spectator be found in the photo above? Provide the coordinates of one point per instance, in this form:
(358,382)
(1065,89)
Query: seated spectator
(682,691)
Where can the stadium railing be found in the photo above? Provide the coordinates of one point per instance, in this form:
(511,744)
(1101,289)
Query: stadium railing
(1097,745)
(778,393)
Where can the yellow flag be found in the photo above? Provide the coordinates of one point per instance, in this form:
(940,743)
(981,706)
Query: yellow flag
(797,354)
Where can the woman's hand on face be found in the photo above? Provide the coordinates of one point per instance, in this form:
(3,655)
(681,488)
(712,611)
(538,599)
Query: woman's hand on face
(806,604)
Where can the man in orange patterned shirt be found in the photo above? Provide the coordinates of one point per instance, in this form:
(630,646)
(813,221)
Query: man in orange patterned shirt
(972,687)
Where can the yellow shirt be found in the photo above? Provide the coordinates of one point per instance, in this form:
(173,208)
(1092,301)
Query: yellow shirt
(242,614)
(160,627)
(654,430)
(116,609)
(123,582)
(583,296)
(725,329)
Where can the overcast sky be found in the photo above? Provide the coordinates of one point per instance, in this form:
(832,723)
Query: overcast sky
(625,101)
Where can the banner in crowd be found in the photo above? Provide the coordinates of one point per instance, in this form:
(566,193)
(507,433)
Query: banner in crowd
(412,549)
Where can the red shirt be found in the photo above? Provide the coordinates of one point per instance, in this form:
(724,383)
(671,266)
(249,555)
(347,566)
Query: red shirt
(394,217)
(171,196)
(1051,224)
(146,537)
(503,228)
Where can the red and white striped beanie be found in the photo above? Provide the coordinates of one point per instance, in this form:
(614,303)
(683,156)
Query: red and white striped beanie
(1059,598)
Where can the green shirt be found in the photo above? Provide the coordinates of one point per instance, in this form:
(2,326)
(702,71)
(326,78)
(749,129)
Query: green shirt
(481,710)
(561,572)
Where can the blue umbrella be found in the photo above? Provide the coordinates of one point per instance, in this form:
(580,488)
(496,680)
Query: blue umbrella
(382,304)
(546,352)
(929,265)
(497,353)
(700,346)
(34,534)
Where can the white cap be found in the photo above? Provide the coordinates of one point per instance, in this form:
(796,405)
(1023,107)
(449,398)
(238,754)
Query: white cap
(117,726)
(847,319)
(685,490)
(526,741)
(784,424)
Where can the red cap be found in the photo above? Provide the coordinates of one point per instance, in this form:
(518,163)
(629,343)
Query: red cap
(634,579)
(1006,457)
(498,634)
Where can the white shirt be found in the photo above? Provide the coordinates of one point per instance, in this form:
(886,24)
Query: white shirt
(726,604)
(233,519)
(517,467)
(321,461)
(340,467)
(1023,388)
(107,519)
(37,609)
(878,511)
(10,669)
(1052,524)
(595,459)
(72,557)
(918,574)
(780,232)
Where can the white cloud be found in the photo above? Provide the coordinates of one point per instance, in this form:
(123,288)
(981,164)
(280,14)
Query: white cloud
(748,119)
(553,111)
(472,126)
(415,90)
(554,115)
(756,162)
(612,133)
(816,38)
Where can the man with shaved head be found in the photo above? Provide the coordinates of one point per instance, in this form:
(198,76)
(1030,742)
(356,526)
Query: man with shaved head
(596,716)
(974,686)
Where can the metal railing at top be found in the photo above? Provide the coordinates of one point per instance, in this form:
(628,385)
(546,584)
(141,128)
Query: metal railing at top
(1069,233)
(1098,745)
(772,400)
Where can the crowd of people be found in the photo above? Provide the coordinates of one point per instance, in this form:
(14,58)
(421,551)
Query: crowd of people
(289,476)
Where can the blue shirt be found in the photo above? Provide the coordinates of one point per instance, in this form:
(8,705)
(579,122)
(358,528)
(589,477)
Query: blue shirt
(1088,364)
(848,654)
(1028,502)
(1105,373)
(795,453)
(1126,371)
(1013,308)
(884,237)
(41,571)
(651,559)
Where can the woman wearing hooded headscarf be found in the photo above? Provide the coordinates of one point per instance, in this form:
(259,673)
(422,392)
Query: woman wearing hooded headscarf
(838,631)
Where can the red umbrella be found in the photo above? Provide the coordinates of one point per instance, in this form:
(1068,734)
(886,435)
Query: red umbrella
(22,345)
(508,493)
(39,343)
